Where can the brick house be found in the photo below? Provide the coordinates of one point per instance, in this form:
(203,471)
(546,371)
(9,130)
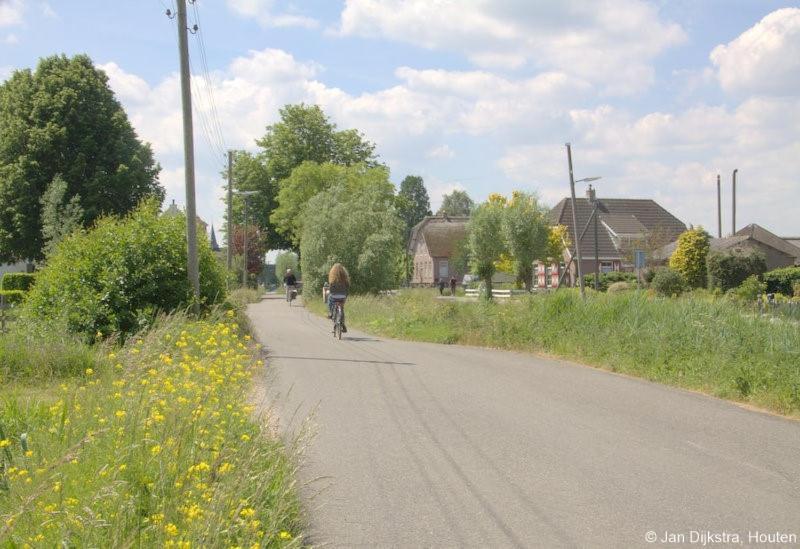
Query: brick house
(432,244)
(623,224)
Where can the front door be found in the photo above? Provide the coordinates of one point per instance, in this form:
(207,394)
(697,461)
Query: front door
(444,269)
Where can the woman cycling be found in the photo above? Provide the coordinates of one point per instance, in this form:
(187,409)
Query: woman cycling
(338,286)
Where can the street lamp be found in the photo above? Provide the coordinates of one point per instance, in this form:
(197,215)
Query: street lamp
(245,195)
(575,219)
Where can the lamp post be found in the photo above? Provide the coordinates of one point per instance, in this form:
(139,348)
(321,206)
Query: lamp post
(575,219)
(245,195)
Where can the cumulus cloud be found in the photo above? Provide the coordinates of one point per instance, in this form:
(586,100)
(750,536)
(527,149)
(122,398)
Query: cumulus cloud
(610,43)
(264,12)
(11,13)
(442,152)
(765,59)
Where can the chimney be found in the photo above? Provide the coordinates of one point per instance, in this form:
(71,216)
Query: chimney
(590,194)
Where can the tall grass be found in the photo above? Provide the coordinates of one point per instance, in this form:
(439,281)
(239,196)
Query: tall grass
(704,344)
(152,444)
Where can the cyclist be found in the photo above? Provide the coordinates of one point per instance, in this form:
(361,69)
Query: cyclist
(290,282)
(338,286)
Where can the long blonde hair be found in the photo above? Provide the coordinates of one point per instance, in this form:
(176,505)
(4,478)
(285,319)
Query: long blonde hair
(338,275)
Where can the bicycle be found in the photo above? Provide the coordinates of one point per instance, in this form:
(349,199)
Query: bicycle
(338,317)
(291,294)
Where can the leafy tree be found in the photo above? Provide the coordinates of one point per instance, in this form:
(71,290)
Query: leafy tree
(689,257)
(305,133)
(557,241)
(486,244)
(59,216)
(256,247)
(287,260)
(457,203)
(357,226)
(116,277)
(308,180)
(414,203)
(250,173)
(526,233)
(728,270)
(63,119)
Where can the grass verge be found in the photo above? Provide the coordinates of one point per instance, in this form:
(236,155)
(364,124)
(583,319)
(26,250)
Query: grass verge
(150,444)
(701,344)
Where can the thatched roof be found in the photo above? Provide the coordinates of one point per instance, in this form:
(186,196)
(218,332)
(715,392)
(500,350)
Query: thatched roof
(440,234)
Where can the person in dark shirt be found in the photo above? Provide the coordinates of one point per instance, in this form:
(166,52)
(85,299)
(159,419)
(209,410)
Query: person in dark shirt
(338,288)
(453,286)
(290,282)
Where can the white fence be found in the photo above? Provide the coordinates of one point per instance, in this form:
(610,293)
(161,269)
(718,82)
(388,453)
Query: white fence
(505,294)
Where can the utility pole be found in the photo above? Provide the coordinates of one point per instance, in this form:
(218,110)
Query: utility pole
(244,271)
(575,222)
(188,156)
(593,198)
(229,237)
(733,220)
(719,208)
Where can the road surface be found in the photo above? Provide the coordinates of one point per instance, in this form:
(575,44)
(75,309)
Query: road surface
(433,445)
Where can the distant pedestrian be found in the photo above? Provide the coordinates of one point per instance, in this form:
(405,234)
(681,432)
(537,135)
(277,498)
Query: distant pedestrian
(441,286)
(453,283)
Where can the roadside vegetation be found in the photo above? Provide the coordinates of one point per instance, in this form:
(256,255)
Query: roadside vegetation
(695,342)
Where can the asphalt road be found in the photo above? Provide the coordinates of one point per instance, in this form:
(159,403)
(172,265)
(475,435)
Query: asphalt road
(449,446)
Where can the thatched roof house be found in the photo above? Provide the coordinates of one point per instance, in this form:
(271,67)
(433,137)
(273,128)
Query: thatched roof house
(432,244)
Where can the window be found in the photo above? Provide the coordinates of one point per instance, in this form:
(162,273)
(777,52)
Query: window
(606,266)
(444,268)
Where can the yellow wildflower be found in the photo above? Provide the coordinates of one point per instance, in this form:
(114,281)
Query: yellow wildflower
(285,535)
(4,442)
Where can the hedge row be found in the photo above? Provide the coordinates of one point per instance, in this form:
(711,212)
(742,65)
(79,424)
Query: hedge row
(782,280)
(12,297)
(606,279)
(17,281)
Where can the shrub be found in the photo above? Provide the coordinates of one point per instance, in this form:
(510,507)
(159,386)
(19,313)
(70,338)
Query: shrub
(727,270)
(12,297)
(782,280)
(606,279)
(619,287)
(689,257)
(17,281)
(668,282)
(750,289)
(118,276)
(796,288)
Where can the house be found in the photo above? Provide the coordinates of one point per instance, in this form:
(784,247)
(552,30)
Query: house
(432,245)
(173,209)
(752,238)
(794,241)
(623,224)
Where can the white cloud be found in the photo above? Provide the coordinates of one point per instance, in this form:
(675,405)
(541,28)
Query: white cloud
(48,11)
(263,11)
(610,43)
(11,12)
(765,59)
(442,152)
(11,39)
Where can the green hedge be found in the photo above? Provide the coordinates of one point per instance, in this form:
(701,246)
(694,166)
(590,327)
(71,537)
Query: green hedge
(607,279)
(668,282)
(727,270)
(782,280)
(17,281)
(12,296)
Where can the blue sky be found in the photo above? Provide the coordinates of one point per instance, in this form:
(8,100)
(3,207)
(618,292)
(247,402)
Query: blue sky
(656,97)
